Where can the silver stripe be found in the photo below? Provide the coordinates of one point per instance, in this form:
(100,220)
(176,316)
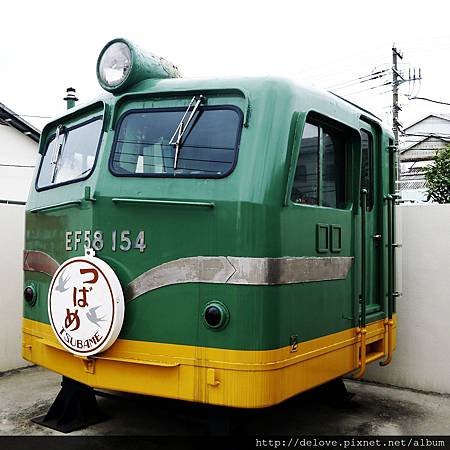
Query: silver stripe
(36,261)
(240,270)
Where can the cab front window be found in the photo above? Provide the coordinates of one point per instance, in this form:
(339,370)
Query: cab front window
(145,143)
(70,154)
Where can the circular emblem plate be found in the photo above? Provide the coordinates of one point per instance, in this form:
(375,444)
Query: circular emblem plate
(86,305)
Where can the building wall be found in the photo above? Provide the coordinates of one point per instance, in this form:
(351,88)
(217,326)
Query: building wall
(424,149)
(18,155)
(435,125)
(12,229)
(421,360)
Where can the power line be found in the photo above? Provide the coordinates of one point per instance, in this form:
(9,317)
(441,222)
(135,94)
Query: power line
(429,100)
(31,115)
(376,75)
(362,79)
(356,84)
(17,165)
(369,55)
(384,93)
(368,89)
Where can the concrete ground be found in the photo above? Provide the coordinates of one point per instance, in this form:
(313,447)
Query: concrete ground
(373,410)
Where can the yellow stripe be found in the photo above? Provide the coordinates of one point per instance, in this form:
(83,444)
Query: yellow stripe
(239,378)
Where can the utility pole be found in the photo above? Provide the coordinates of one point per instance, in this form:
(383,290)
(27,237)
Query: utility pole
(395,109)
(397,79)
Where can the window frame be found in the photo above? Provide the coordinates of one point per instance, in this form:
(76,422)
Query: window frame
(371,180)
(325,127)
(100,117)
(236,147)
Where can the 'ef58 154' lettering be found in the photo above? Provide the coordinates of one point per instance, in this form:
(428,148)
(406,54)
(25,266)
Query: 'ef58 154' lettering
(116,240)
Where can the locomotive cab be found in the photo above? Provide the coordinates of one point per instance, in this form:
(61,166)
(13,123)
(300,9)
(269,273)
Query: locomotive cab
(207,240)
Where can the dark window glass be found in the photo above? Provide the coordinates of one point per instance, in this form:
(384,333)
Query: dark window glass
(305,187)
(333,164)
(77,148)
(367,166)
(209,145)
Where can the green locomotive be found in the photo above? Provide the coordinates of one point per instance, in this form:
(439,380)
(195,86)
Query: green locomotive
(223,241)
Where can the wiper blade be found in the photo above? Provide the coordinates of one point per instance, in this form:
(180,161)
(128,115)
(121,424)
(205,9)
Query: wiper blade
(57,150)
(196,101)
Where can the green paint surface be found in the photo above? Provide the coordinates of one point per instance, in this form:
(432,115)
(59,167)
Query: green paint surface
(252,216)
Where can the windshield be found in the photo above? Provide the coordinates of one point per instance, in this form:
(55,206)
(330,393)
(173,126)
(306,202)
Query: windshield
(143,146)
(70,154)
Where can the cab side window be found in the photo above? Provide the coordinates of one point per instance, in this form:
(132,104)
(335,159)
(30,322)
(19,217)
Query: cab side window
(321,176)
(367,166)
(306,188)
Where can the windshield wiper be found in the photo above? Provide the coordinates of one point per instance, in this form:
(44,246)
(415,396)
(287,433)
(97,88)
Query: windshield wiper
(57,150)
(182,127)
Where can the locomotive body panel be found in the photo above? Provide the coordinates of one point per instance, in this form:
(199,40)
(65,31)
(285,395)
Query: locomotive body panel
(287,274)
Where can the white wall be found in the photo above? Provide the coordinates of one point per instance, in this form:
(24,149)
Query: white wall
(422,358)
(12,229)
(18,155)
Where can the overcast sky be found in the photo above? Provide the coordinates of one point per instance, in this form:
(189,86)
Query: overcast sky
(47,46)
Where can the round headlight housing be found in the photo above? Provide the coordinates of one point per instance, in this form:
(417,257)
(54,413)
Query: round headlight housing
(216,315)
(121,65)
(30,294)
(114,64)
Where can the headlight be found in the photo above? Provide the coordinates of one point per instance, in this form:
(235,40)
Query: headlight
(121,65)
(114,64)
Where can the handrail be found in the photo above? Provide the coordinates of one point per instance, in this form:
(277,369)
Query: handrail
(390,206)
(389,323)
(361,330)
(163,202)
(362,333)
(363,256)
(395,245)
(55,206)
